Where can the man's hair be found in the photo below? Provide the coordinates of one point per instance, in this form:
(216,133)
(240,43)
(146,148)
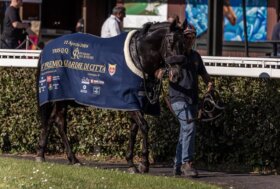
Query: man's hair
(118,9)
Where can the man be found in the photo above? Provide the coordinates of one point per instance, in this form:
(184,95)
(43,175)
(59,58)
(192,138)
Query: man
(13,26)
(184,101)
(80,27)
(174,19)
(276,36)
(114,24)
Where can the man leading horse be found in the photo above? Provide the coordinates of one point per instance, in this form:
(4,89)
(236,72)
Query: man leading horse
(183,93)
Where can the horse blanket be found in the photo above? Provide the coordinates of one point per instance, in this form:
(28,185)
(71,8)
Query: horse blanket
(91,71)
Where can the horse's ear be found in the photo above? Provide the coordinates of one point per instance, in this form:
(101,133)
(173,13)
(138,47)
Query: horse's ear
(174,27)
(185,24)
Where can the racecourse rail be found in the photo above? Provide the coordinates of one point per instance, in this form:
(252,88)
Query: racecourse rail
(222,66)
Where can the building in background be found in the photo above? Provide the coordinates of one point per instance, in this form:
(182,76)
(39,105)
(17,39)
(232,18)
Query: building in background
(59,17)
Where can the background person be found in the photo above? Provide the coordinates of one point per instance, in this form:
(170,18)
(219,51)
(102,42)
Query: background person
(276,36)
(13,28)
(184,102)
(229,12)
(114,24)
(80,26)
(174,19)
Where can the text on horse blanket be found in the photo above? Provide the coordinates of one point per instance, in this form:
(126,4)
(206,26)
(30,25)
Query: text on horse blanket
(91,71)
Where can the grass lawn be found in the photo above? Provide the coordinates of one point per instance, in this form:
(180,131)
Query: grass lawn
(26,174)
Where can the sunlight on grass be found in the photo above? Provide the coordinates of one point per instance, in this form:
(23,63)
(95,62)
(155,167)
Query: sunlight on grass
(26,174)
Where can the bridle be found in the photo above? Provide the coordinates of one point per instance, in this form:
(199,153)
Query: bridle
(166,46)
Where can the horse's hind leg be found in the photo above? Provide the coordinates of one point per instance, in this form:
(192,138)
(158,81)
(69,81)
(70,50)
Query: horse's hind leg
(142,123)
(132,139)
(145,164)
(60,120)
(45,127)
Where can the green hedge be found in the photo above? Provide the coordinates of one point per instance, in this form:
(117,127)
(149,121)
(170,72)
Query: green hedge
(248,133)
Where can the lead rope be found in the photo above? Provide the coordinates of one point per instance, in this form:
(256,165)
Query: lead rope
(207,98)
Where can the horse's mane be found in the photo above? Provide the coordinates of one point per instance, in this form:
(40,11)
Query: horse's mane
(150,27)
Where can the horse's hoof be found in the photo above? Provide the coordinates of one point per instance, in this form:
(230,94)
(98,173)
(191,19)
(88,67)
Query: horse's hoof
(133,170)
(39,159)
(77,164)
(143,168)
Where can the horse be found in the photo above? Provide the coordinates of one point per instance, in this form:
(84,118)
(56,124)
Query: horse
(147,49)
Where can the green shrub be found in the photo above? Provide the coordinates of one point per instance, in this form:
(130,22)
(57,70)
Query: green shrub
(248,132)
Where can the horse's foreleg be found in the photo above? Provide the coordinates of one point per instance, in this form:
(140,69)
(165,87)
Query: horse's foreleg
(45,127)
(129,156)
(61,123)
(141,122)
(145,164)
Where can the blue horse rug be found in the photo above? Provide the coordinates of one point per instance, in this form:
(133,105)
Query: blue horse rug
(92,71)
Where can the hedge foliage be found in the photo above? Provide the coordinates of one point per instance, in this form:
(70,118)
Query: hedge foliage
(248,133)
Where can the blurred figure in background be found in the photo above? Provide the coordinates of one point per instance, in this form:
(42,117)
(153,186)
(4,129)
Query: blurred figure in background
(229,13)
(114,24)
(14,31)
(80,26)
(174,19)
(276,36)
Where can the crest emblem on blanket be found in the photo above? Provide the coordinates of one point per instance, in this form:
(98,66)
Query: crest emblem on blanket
(75,54)
(112,69)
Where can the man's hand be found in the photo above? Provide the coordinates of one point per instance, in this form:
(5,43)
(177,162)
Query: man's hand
(210,86)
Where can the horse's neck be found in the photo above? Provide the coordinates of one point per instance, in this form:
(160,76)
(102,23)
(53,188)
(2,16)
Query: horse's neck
(145,55)
(145,48)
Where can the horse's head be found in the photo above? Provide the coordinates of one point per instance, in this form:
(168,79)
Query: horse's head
(157,43)
(174,62)
(150,48)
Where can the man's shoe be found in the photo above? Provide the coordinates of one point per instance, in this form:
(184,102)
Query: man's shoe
(177,171)
(188,170)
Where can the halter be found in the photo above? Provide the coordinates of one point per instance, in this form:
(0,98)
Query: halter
(152,87)
(153,95)
(164,48)
(168,44)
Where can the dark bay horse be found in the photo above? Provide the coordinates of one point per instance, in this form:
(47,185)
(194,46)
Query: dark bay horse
(60,82)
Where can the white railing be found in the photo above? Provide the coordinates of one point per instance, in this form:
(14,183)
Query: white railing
(224,66)
(241,66)
(19,58)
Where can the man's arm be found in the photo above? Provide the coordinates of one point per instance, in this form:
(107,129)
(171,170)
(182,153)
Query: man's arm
(204,74)
(20,25)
